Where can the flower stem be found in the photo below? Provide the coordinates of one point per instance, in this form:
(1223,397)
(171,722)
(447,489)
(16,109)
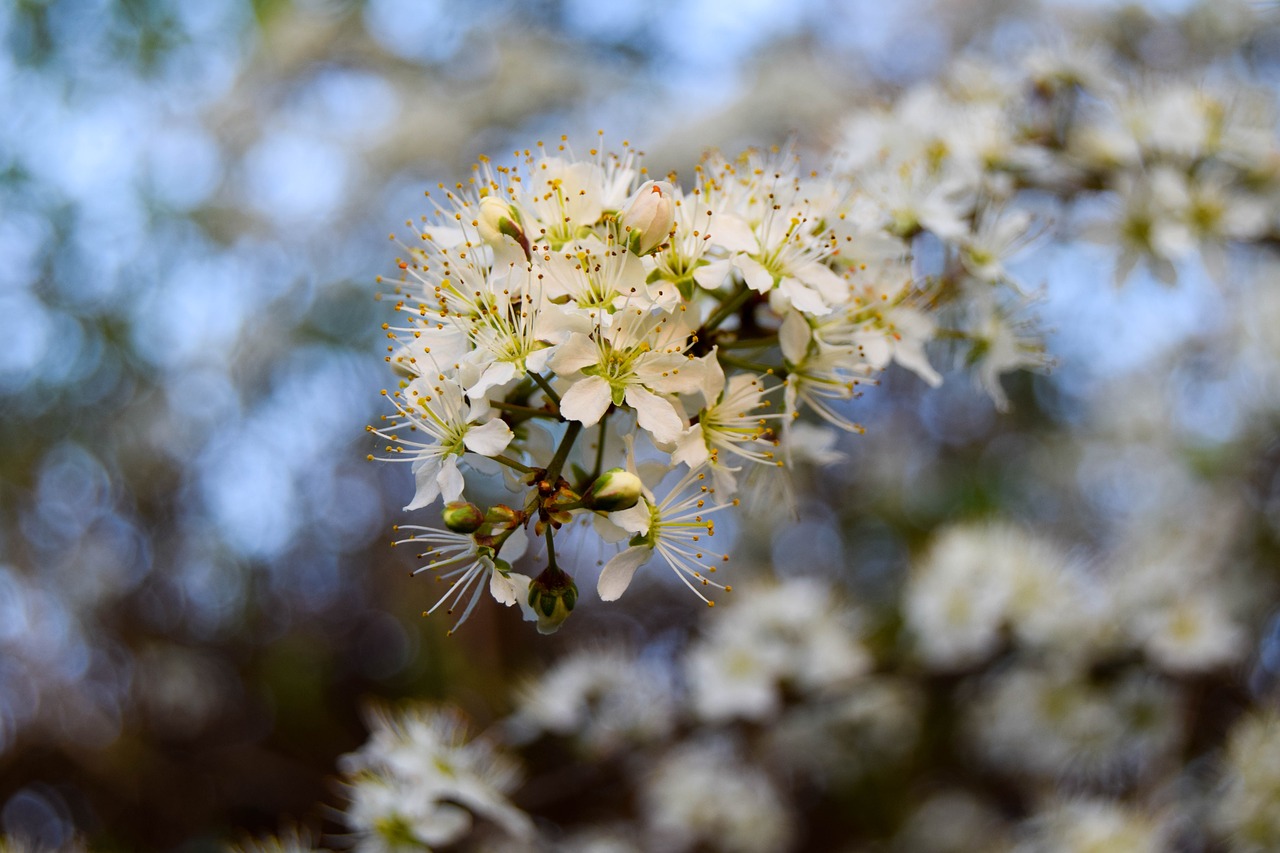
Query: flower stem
(546,388)
(726,310)
(754,366)
(595,471)
(511,463)
(527,411)
(551,549)
(750,343)
(562,452)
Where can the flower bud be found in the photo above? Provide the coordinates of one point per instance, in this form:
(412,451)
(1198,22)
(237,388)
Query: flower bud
(613,490)
(649,216)
(501,515)
(552,596)
(462,517)
(497,220)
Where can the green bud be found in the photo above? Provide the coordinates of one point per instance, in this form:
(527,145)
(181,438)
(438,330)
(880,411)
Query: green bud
(462,517)
(501,515)
(552,596)
(613,490)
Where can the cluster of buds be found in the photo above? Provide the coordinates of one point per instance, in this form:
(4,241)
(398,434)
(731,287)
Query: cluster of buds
(594,330)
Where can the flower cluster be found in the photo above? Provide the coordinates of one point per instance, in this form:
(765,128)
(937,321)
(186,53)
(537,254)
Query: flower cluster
(1251,784)
(637,356)
(592,329)
(418,781)
(1012,696)
(699,746)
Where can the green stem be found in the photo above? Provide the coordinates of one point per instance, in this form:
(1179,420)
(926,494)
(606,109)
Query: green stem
(551,550)
(595,472)
(749,343)
(527,411)
(520,394)
(726,310)
(753,366)
(562,452)
(511,463)
(546,388)
(501,539)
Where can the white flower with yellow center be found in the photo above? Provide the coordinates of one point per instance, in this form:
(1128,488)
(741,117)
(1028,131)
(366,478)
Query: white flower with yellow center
(787,262)
(419,780)
(562,198)
(506,320)
(440,413)
(674,529)
(818,374)
(635,361)
(591,279)
(468,562)
(736,426)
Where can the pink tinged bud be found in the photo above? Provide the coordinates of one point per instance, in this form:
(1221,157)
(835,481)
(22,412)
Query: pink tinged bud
(498,220)
(649,216)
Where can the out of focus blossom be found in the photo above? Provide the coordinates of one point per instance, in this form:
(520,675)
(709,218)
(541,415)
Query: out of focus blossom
(600,697)
(419,781)
(705,795)
(1097,826)
(977,581)
(1246,813)
(793,636)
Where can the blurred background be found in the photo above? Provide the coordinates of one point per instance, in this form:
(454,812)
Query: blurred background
(196,591)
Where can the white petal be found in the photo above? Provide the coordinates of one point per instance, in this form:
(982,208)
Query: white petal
(911,356)
(652,471)
(654,414)
(425,475)
(875,348)
(574,354)
(756,276)
(713,274)
(442,823)
(587,401)
(726,482)
(450,479)
(537,360)
(731,233)
(833,288)
(691,448)
(607,530)
(803,297)
(520,583)
(502,588)
(616,576)
(794,337)
(712,379)
(489,439)
(498,373)
(635,520)
(672,374)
